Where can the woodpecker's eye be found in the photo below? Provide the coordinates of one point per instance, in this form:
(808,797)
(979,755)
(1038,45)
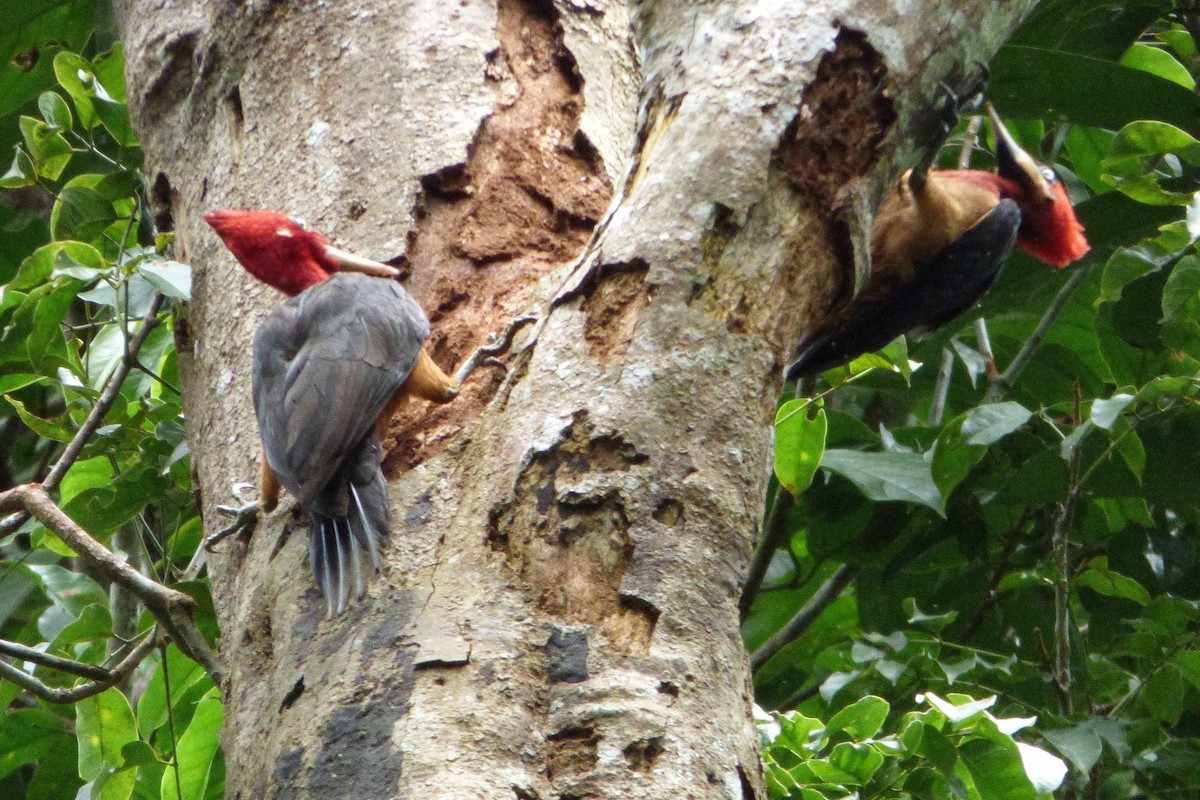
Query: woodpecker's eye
(1049,175)
(299,222)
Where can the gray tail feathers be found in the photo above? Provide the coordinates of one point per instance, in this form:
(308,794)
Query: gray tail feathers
(348,523)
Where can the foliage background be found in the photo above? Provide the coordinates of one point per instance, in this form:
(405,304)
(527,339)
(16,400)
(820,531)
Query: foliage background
(956,592)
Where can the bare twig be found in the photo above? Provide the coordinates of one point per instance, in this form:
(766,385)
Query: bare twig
(984,343)
(969,137)
(797,625)
(1062,585)
(774,532)
(107,396)
(999,385)
(170,607)
(942,388)
(14,650)
(118,673)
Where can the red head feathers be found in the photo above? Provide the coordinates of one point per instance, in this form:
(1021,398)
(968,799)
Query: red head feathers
(280,251)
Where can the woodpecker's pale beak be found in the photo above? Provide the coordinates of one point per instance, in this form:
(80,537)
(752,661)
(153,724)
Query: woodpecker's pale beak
(1016,165)
(353,263)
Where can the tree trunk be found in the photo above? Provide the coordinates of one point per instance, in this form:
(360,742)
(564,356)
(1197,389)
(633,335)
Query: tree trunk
(676,188)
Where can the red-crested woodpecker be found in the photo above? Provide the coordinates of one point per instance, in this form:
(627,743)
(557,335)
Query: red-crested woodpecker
(939,240)
(331,365)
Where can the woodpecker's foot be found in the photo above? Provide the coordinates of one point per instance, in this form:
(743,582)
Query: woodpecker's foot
(487,354)
(245,518)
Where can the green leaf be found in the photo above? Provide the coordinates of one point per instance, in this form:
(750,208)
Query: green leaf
(860,760)
(799,444)
(989,424)
(906,477)
(80,212)
(137,754)
(74,74)
(1104,413)
(197,748)
(174,279)
(94,624)
(84,474)
(1158,62)
(19,380)
(930,622)
(1100,578)
(45,428)
(1045,83)
(32,33)
(1124,267)
(103,726)
(1188,664)
(861,720)
(39,267)
(1181,295)
(55,110)
(1080,744)
(152,707)
(996,770)
(958,713)
(927,741)
(1136,155)
(47,147)
(20,173)
(1129,446)
(1164,693)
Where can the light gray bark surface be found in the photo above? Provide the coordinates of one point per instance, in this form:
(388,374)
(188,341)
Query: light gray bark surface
(557,616)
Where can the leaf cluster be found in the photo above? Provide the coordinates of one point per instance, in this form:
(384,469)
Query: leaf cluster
(90,307)
(1037,497)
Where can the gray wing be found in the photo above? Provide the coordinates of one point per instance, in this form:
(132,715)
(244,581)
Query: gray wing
(326,362)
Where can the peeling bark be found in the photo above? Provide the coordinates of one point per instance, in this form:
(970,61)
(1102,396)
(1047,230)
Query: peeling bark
(677,187)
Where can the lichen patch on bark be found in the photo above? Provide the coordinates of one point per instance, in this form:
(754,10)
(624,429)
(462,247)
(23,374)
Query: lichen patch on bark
(524,203)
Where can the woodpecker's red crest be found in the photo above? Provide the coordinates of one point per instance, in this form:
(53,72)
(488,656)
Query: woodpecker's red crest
(282,252)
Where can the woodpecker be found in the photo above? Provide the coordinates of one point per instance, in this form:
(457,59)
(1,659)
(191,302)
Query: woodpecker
(331,365)
(939,241)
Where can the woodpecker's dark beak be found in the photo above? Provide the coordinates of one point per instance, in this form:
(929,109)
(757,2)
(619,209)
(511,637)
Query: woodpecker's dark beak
(1018,166)
(352,263)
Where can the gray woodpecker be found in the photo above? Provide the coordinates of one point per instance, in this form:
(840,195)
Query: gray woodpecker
(938,243)
(331,366)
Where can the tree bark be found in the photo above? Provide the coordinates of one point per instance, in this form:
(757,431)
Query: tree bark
(677,188)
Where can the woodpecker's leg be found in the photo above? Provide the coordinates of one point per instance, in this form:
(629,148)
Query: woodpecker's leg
(487,353)
(245,517)
(428,382)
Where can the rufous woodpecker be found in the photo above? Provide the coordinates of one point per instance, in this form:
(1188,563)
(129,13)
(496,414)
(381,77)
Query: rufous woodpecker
(939,240)
(331,366)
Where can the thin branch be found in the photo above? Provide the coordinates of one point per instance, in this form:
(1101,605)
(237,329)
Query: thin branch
(172,608)
(109,395)
(1062,587)
(999,385)
(937,408)
(797,625)
(984,343)
(774,532)
(969,138)
(76,693)
(14,650)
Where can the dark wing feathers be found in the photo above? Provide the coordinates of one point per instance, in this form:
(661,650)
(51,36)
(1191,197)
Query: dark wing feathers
(937,293)
(326,362)
(348,343)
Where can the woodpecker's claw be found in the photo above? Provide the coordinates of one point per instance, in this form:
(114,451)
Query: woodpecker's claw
(245,518)
(487,353)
